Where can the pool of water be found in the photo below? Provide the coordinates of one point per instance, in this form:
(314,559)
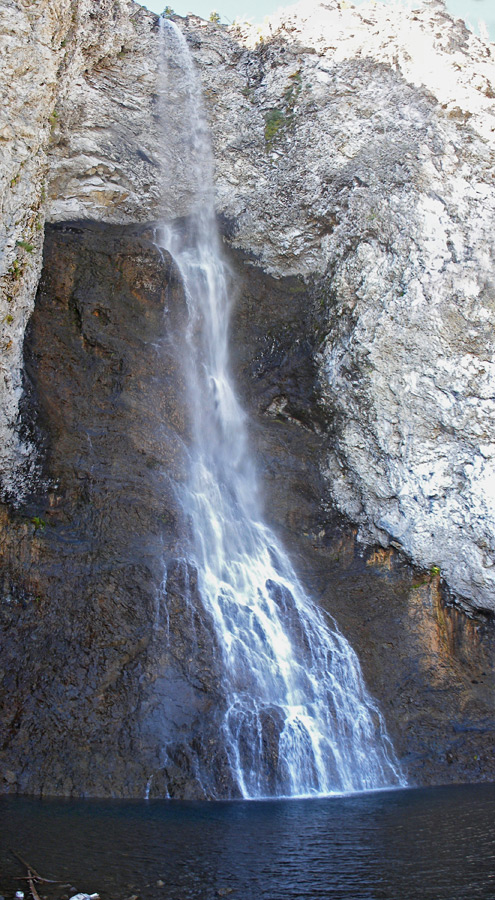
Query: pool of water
(417,844)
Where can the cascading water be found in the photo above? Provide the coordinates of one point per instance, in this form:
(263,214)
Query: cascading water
(298,718)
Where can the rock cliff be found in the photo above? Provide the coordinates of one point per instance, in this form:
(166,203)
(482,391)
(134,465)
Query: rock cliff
(48,49)
(354,156)
(351,145)
(362,154)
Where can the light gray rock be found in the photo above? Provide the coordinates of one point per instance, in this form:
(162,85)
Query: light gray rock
(355,147)
(381,179)
(104,154)
(28,78)
(47,49)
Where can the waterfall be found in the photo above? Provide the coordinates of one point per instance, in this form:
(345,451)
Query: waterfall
(298,719)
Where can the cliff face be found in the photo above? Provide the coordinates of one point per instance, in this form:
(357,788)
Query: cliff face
(363,153)
(49,50)
(352,146)
(354,153)
(110,680)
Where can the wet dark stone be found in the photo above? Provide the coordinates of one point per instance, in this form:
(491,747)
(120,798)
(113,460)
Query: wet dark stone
(110,675)
(105,659)
(422,658)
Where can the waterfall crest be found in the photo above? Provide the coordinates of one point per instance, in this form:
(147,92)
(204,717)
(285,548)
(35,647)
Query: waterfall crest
(298,720)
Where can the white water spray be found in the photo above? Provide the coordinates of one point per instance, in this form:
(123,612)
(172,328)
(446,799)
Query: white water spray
(299,720)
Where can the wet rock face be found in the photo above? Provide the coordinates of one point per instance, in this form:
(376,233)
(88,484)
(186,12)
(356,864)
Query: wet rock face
(108,658)
(111,672)
(354,153)
(49,51)
(353,145)
(430,667)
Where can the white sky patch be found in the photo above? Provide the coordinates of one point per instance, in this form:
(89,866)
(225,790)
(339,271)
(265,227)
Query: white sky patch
(476,13)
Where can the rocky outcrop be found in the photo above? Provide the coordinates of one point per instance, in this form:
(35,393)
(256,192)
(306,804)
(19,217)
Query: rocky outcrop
(48,51)
(110,682)
(354,146)
(430,666)
(365,155)
(110,674)
(354,182)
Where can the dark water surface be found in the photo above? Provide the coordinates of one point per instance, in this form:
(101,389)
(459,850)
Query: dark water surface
(433,844)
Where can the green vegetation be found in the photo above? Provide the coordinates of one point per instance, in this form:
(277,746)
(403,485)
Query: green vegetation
(283,117)
(25,246)
(214,17)
(292,92)
(274,121)
(39,523)
(15,180)
(8,319)
(167,12)
(15,270)
(53,118)
(427,577)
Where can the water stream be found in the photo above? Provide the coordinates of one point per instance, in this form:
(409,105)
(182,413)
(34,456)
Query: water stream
(298,720)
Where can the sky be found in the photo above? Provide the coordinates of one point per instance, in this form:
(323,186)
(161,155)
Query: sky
(256,10)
